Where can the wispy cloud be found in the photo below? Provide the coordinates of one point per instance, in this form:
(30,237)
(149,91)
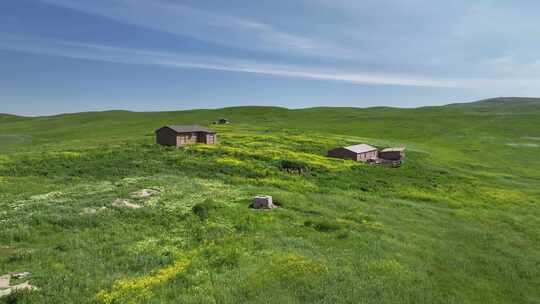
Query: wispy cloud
(217,28)
(173,60)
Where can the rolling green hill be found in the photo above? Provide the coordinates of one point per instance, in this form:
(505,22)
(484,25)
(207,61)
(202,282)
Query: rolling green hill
(459,222)
(494,103)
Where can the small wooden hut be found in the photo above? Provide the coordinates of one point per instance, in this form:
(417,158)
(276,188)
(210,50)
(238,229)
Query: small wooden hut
(392,153)
(361,152)
(185,135)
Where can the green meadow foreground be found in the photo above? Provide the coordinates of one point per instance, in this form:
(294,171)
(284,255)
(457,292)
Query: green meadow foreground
(458,222)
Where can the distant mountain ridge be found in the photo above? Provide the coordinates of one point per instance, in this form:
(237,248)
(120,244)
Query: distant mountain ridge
(500,101)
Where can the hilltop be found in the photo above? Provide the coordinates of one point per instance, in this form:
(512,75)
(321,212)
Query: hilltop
(99,213)
(4,117)
(502,101)
(490,102)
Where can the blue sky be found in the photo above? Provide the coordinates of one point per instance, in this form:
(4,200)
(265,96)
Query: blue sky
(149,55)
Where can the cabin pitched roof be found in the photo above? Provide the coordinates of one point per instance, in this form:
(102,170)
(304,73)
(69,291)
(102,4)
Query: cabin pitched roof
(188,128)
(361,148)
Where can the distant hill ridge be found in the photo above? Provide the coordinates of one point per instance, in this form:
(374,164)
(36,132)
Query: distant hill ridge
(505,102)
(501,101)
(4,117)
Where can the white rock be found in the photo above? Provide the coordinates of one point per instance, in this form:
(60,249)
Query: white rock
(4,281)
(263,202)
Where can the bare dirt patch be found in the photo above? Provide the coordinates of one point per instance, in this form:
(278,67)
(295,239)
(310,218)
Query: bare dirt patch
(144,193)
(50,195)
(125,203)
(93,210)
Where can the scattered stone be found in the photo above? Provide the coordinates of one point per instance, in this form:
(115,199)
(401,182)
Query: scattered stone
(93,210)
(6,289)
(20,275)
(50,195)
(125,203)
(263,202)
(23,286)
(5,292)
(4,281)
(18,287)
(145,193)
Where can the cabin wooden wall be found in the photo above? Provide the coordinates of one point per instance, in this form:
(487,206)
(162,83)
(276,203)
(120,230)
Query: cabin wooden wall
(210,139)
(367,156)
(342,153)
(186,139)
(392,155)
(166,137)
(347,154)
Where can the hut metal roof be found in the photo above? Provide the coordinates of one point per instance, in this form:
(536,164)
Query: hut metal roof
(361,148)
(394,149)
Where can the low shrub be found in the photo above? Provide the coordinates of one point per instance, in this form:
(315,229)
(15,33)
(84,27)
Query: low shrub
(292,166)
(203,210)
(322,226)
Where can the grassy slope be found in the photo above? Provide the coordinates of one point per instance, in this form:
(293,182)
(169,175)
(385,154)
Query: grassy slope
(458,223)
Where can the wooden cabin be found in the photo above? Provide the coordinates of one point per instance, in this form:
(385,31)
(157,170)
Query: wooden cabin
(392,153)
(361,152)
(185,135)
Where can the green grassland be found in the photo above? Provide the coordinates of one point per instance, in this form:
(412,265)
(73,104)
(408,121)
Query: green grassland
(459,222)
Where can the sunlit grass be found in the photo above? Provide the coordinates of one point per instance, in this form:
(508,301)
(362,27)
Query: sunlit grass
(454,224)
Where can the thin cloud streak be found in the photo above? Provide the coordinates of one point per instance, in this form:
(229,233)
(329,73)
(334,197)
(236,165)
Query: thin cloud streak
(131,56)
(211,27)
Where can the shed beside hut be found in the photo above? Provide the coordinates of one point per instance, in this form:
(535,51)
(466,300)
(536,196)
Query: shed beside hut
(178,136)
(392,153)
(361,152)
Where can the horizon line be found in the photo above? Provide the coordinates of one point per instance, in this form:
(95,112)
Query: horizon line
(263,106)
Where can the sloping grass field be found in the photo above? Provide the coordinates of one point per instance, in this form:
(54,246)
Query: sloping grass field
(459,222)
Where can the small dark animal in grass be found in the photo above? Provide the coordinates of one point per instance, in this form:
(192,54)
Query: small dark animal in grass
(222,121)
(292,167)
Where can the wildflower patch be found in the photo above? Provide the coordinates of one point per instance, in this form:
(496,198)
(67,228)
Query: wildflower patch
(140,289)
